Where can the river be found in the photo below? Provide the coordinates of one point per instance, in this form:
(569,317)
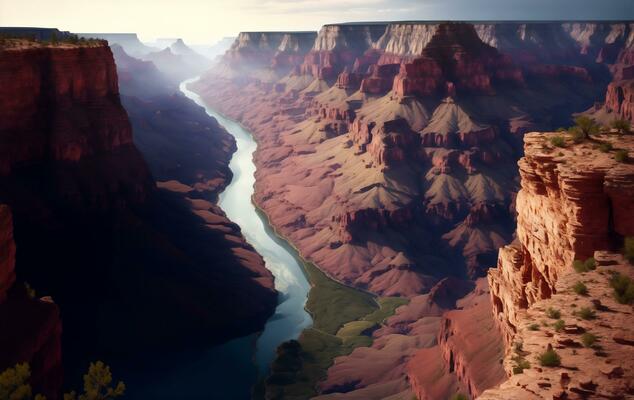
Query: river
(290,317)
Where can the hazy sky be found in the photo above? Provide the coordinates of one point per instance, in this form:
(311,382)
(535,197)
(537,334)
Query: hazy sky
(205,21)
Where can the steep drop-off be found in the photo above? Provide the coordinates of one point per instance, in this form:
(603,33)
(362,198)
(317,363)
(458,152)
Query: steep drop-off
(93,231)
(575,203)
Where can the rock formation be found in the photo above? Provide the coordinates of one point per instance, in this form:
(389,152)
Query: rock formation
(388,158)
(571,207)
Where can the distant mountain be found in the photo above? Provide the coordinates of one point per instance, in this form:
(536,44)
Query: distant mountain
(215,50)
(178,62)
(129,41)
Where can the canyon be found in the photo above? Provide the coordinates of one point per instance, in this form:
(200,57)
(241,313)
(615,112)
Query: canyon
(387,155)
(428,210)
(92,230)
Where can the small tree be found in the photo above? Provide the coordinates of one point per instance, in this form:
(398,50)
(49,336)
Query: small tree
(98,385)
(14,384)
(621,125)
(587,126)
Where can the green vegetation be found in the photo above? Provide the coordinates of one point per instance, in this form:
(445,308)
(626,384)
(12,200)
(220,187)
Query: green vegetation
(586,126)
(623,288)
(550,358)
(605,147)
(588,339)
(621,155)
(459,396)
(14,384)
(622,126)
(98,384)
(332,304)
(344,319)
(628,249)
(520,364)
(584,266)
(10,39)
(586,313)
(533,327)
(559,325)
(558,141)
(580,288)
(553,313)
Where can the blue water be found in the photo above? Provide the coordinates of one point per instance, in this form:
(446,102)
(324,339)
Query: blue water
(290,317)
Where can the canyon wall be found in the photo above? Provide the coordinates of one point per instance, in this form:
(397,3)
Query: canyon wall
(575,203)
(92,229)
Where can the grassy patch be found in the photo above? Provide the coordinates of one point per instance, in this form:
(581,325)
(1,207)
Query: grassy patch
(550,358)
(623,288)
(553,313)
(344,319)
(585,266)
(580,288)
(559,325)
(586,313)
(588,339)
(332,304)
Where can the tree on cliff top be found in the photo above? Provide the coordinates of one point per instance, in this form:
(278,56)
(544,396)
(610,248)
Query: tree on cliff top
(98,385)
(586,126)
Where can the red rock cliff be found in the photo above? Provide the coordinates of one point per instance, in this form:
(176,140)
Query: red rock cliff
(52,98)
(569,206)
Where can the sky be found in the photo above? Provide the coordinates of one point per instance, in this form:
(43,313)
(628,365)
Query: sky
(206,21)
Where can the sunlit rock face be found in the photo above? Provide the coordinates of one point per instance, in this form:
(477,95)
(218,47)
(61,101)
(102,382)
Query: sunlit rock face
(464,95)
(570,207)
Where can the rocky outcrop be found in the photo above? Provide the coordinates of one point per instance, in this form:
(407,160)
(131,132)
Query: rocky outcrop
(569,208)
(565,212)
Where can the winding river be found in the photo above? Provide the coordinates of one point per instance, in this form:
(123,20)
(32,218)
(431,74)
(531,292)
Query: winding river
(290,317)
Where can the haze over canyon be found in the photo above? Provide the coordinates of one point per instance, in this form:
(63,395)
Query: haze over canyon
(391,210)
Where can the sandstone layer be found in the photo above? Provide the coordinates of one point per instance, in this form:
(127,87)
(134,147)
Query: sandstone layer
(575,203)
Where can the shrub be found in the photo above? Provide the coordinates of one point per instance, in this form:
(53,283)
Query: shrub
(621,125)
(549,358)
(576,135)
(586,313)
(605,147)
(584,266)
(587,126)
(588,339)
(623,288)
(621,155)
(559,325)
(520,365)
(533,327)
(558,141)
(628,250)
(459,396)
(553,313)
(580,288)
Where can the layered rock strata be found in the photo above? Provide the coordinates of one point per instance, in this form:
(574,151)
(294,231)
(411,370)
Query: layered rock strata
(571,207)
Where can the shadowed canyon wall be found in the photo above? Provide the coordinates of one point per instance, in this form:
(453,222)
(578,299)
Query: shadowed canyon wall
(139,267)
